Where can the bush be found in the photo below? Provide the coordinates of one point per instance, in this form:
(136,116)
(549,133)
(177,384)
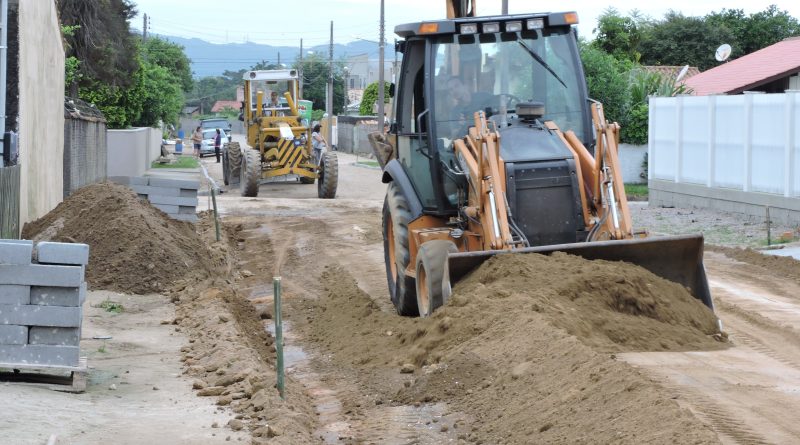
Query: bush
(370,97)
(635,129)
(607,80)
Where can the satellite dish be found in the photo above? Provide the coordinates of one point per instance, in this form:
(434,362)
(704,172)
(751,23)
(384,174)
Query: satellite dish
(723,52)
(683,72)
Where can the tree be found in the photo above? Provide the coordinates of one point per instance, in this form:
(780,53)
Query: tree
(370,98)
(681,40)
(617,35)
(607,80)
(315,82)
(757,30)
(101,40)
(170,56)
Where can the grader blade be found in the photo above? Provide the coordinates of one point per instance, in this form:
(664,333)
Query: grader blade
(675,258)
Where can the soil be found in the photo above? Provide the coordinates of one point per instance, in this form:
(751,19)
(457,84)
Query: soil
(516,333)
(133,247)
(781,266)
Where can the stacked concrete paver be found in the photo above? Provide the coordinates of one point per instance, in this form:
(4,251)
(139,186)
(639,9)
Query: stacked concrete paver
(41,302)
(175,197)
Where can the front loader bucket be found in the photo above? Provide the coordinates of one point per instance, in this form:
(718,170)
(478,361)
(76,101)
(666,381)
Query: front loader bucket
(675,258)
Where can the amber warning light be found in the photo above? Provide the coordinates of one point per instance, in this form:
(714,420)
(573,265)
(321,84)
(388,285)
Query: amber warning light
(428,28)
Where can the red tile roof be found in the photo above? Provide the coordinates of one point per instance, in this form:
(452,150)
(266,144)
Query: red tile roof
(223,104)
(671,71)
(763,66)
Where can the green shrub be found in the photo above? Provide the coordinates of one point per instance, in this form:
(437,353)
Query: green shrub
(370,97)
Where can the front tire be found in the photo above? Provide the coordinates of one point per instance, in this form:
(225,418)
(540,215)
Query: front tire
(251,173)
(328,176)
(225,173)
(431,259)
(234,162)
(396,254)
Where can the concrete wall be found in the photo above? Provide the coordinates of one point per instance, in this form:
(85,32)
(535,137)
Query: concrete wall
(352,134)
(631,158)
(85,152)
(41,108)
(735,153)
(132,151)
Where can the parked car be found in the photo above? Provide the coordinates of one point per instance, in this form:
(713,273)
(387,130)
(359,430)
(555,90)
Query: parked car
(209,134)
(216,122)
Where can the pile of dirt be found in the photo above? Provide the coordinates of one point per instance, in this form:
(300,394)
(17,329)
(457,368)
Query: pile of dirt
(134,247)
(782,266)
(537,334)
(231,357)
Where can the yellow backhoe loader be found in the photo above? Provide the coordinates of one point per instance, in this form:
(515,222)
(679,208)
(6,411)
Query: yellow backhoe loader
(498,149)
(281,143)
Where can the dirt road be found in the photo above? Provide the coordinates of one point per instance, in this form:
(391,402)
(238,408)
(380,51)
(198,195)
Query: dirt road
(749,393)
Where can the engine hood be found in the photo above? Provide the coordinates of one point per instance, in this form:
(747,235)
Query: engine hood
(521,142)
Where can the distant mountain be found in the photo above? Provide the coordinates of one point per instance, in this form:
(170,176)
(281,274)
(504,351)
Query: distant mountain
(212,59)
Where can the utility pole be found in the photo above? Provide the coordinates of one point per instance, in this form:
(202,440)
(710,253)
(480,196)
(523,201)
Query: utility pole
(505,7)
(381,99)
(279,59)
(300,72)
(144,29)
(329,105)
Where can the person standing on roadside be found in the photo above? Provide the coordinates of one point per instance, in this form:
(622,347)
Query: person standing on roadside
(217,143)
(197,140)
(318,143)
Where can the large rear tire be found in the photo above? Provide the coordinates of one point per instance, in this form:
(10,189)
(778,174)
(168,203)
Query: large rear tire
(234,162)
(431,259)
(251,172)
(328,176)
(396,254)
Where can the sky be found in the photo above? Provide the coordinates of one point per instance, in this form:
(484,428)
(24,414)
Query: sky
(284,23)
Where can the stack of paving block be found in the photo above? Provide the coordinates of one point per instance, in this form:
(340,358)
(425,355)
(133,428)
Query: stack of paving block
(41,302)
(175,197)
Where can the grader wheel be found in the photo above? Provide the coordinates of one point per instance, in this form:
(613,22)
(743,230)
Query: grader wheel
(328,176)
(251,172)
(234,155)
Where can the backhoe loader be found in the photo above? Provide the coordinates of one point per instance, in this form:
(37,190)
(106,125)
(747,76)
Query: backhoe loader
(497,149)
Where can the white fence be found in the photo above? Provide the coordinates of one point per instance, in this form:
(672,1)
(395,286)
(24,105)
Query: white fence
(749,143)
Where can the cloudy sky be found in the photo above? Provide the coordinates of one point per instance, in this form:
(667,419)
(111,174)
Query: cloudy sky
(280,22)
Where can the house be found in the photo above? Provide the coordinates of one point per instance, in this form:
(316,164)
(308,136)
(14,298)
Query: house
(671,71)
(193,111)
(221,105)
(773,69)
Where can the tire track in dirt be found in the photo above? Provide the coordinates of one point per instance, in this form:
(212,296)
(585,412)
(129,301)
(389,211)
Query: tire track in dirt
(728,426)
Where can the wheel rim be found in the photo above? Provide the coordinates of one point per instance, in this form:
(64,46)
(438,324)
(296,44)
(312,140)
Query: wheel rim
(390,238)
(423,299)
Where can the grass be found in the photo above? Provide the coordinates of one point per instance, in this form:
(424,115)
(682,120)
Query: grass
(102,349)
(369,163)
(111,306)
(636,192)
(182,162)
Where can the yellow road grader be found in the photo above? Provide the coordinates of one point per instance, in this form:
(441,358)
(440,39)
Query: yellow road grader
(280,142)
(498,149)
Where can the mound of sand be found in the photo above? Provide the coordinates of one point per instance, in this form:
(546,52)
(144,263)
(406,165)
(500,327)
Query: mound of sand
(134,247)
(782,266)
(525,348)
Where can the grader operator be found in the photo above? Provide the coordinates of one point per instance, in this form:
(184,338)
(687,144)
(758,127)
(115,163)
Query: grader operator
(498,149)
(280,142)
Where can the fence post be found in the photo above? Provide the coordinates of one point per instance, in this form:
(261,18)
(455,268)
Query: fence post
(678,138)
(747,180)
(712,141)
(276,283)
(216,214)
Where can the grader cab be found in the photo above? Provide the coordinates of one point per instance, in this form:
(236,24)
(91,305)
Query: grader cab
(280,144)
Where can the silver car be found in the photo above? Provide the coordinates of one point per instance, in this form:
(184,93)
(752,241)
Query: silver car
(207,145)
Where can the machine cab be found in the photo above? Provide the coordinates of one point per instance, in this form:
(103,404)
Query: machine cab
(270,86)
(454,68)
